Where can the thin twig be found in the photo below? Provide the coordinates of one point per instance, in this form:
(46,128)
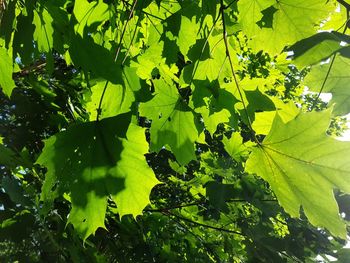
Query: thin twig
(173,207)
(204,225)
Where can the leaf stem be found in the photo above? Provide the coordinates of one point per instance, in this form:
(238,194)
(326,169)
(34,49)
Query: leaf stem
(222,10)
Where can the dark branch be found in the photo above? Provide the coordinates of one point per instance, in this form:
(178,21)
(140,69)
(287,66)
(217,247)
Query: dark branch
(203,225)
(345,4)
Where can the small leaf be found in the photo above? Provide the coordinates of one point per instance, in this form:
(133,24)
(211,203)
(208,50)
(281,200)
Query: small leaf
(234,146)
(6,82)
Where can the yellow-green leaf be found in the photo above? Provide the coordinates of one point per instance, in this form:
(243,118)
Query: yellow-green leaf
(303,166)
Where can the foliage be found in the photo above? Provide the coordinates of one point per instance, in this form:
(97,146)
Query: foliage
(173,131)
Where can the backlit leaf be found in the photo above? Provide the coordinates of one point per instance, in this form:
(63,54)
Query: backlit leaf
(92,161)
(6,82)
(173,122)
(303,166)
(285,23)
(336,82)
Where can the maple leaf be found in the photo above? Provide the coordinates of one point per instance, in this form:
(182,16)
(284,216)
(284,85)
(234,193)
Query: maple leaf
(303,166)
(173,122)
(92,161)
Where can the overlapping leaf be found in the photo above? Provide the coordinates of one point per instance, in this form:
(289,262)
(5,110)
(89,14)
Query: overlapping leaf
(117,98)
(263,120)
(303,166)
(334,78)
(173,122)
(216,105)
(95,58)
(88,13)
(43,33)
(283,23)
(93,160)
(318,47)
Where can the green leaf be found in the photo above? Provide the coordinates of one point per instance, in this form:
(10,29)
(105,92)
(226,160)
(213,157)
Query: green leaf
(303,166)
(216,105)
(337,83)
(89,13)
(117,98)
(337,20)
(133,168)
(211,64)
(43,30)
(263,120)
(256,101)
(8,21)
(23,38)
(13,188)
(43,33)
(209,7)
(344,255)
(235,147)
(312,50)
(149,60)
(187,34)
(250,14)
(7,157)
(285,23)
(173,122)
(92,57)
(6,82)
(92,161)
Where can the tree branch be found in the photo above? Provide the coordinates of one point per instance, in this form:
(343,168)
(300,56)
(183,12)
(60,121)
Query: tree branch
(345,4)
(203,225)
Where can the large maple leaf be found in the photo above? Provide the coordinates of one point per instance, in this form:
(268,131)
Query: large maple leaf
(94,160)
(303,166)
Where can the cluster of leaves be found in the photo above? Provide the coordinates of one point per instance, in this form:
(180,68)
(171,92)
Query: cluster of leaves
(172,131)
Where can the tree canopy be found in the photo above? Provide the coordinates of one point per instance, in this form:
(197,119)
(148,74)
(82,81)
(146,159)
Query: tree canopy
(174,131)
